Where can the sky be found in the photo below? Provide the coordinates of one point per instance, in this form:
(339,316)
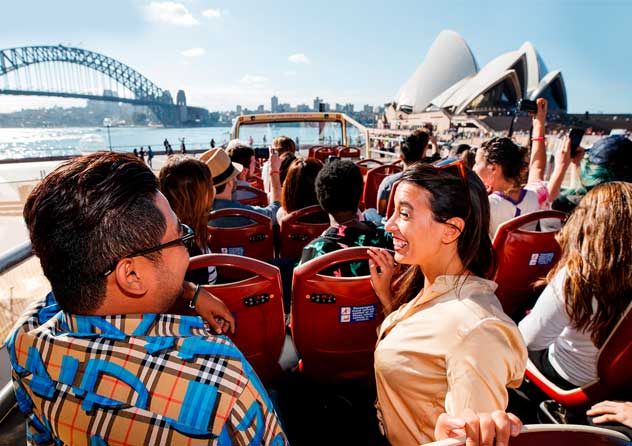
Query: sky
(224,52)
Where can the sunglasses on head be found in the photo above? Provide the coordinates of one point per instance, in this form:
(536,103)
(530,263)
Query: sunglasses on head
(457,165)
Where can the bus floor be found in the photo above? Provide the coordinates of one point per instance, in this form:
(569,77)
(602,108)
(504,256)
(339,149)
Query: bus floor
(317,414)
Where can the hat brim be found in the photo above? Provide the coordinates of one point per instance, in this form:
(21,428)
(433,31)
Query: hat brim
(226,177)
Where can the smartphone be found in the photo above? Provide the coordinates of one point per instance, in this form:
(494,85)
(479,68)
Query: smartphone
(575,136)
(262,153)
(527,105)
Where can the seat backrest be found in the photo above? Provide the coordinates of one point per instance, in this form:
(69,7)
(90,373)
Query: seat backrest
(257,305)
(323,153)
(349,152)
(257,196)
(335,319)
(312,150)
(556,435)
(256,182)
(252,240)
(523,258)
(372,183)
(299,228)
(615,360)
(367,164)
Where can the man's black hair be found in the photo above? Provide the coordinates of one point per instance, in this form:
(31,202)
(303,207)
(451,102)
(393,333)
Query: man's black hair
(85,216)
(339,186)
(414,146)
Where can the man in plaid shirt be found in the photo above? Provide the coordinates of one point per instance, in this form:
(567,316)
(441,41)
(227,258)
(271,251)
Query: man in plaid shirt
(99,361)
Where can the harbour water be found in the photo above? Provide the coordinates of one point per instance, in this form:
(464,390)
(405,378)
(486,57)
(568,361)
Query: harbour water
(17,143)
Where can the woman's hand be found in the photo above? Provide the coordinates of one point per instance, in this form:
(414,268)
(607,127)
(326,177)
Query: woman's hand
(479,428)
(612,412)
(539,119)
(381,280)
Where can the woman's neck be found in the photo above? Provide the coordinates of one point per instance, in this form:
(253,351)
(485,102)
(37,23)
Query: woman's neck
(507,188)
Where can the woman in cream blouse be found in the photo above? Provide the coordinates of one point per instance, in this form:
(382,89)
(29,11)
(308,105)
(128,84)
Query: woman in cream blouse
(445,345)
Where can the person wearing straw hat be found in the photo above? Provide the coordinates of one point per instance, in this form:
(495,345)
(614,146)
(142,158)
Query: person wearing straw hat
(224,174)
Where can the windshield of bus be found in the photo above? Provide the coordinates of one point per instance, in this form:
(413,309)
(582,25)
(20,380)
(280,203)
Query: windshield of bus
(302,132)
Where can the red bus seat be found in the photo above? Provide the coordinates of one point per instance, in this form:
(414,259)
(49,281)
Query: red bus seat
(349,152)
(258,196)
(523,258)
(323,153)
(334,320)
(366,164)
(257,305)
(256,181)
(251,240)
(312,150)
(299,228)
(614,365)
(556,435)
(372,183)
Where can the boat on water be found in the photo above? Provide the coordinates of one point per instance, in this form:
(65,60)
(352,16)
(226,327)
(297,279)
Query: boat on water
(328,395)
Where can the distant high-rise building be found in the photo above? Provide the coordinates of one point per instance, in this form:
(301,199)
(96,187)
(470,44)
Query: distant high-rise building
(260,109)
(274,104)
(317,102)
(349,108)
(368,108)
(326,107)
(238,109)
(339,108)
(302,108)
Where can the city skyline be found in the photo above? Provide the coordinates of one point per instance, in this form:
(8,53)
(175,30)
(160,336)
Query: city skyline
(225,54)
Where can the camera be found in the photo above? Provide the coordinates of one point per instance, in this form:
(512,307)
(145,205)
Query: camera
(527,105)
(575,136)
(262,153)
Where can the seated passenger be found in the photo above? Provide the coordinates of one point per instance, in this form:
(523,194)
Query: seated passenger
(338,189)
(466,153)
(446,344)
(502,165)
(281,145)
(588,290)
(412,150)
(224,173)
(99,362)
(299,187)
(187,184)
(243,155)
(609,159)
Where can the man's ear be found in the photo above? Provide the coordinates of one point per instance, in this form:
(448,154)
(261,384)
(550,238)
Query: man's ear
(453,228)
(130,276)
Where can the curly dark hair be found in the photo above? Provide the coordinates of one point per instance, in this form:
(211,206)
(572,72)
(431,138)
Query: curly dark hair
(85,216)
(511,158)
(339,186)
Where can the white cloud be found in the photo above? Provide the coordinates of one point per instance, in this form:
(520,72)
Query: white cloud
(171,13)
(299,58)
(252,79)
(212,13)
(193,52)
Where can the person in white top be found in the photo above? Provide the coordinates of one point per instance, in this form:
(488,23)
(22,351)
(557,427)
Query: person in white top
(502,165)
(428,358)
(588,290)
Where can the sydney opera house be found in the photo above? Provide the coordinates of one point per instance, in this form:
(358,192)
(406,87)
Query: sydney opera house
(449,81)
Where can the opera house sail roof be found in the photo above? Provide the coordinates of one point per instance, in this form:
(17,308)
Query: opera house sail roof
(448,78)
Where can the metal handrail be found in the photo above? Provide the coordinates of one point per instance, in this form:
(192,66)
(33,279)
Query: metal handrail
(15,256)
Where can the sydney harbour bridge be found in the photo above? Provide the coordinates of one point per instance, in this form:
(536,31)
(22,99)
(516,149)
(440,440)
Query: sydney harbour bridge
(77,73)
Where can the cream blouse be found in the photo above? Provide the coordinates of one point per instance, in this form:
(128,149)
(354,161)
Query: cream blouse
(454,351)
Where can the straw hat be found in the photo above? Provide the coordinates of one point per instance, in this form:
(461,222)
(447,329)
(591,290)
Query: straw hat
(222,169)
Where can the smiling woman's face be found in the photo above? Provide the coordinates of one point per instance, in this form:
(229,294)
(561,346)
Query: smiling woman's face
(417,236)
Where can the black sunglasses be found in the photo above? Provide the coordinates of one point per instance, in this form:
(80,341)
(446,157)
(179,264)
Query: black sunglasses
(186,239)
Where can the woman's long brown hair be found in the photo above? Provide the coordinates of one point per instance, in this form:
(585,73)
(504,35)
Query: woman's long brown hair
(596,247)
(186,183)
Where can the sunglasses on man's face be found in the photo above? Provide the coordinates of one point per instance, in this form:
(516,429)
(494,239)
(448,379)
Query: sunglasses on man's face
(185,239)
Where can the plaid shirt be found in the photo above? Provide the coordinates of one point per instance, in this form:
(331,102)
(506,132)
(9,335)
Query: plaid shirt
(146,379)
